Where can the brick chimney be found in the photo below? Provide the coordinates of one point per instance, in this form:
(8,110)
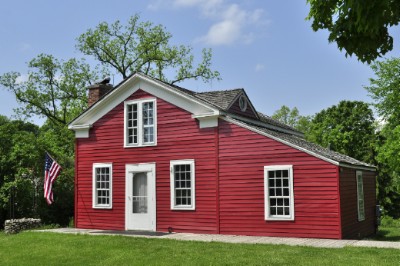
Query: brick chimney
(98,90)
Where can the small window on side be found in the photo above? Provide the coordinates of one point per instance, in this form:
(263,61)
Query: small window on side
(182,185)
(102,185)
(278,185)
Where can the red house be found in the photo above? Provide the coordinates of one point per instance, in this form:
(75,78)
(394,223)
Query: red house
(151,156)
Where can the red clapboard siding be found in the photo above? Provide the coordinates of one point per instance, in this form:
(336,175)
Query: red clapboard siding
(242,157)
(179,137)
(351,227)
(229,163)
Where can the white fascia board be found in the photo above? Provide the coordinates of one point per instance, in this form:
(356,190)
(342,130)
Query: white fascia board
(130,86)
(280,140)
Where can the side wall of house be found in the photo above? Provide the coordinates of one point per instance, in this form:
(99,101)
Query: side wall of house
(179,137)
(351,227)
(242,157)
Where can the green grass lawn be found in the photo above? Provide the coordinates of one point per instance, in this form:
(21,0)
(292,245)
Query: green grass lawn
(389,230)
(38,248)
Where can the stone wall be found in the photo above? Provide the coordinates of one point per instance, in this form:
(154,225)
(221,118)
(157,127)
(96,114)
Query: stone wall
(16,225)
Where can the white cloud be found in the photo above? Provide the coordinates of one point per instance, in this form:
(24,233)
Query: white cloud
(231,23)
(259,67)
(233,26)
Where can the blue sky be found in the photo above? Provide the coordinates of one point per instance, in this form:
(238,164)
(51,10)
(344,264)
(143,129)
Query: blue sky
(266,47)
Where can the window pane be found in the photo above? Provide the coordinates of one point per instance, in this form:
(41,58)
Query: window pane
(102,186)
(183,182)
(132,117)
(279,192)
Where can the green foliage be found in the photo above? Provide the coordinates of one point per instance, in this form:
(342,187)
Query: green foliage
(347,128)
(388,162)
(291,117)
(18,168)
(384,89)
(54,89)
(358,27)
(144,47)
(22,174)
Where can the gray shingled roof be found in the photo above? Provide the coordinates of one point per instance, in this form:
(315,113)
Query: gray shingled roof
(309,146)
(269,120)
(221,99)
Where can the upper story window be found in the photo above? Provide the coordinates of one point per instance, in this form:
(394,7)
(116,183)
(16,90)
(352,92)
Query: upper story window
(182,185)
(279,200)
(140,123)
(102,185)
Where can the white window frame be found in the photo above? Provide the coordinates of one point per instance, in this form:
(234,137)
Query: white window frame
(360,196)
(140,142)
(267,210)
(192,206)
(94,190)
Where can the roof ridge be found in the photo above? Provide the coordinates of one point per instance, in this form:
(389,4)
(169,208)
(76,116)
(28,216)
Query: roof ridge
(237,89)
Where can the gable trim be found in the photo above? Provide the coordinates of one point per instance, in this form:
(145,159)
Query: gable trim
(149,85)
(249,103)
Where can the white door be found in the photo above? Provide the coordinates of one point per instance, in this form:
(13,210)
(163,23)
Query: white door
(140,200)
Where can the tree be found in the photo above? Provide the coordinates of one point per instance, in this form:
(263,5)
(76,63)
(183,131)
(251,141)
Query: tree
(359,27)
(348,128)
(54,89)
(291,117)
(388,162)
(18,169)
(384,89)
(144,47)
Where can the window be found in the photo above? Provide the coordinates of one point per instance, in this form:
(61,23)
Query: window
(360,196)
(102,185)
(140,123)
(278,185)
(182,185)
(242,103)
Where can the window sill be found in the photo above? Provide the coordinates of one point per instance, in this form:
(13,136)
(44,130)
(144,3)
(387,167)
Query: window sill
(282,219)
(176,208)
(139,146)
(102,207)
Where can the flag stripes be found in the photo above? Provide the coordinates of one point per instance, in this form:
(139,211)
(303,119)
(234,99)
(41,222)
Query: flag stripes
(51,172)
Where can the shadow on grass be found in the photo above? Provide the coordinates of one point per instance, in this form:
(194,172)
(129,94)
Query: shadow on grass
(387,234)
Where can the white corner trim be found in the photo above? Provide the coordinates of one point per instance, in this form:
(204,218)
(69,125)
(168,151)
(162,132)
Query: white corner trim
(280,140)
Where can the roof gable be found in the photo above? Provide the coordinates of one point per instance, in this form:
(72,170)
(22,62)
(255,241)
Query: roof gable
(242,105)
(129,86)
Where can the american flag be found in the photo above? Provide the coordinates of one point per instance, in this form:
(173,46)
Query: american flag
(51,171)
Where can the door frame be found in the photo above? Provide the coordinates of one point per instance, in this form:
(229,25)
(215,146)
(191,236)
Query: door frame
(141,168)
